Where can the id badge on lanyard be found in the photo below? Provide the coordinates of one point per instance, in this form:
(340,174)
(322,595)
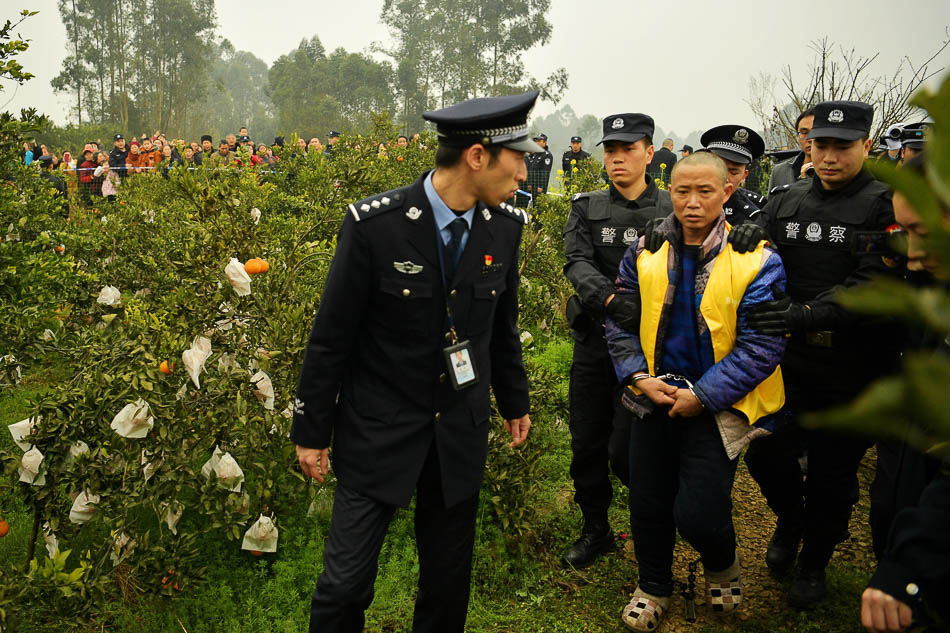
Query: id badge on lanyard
(459,359)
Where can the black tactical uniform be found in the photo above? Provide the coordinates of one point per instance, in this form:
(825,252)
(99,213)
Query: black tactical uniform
(571,155)
(117,157)
(832,355)
(601,226)
(375,376)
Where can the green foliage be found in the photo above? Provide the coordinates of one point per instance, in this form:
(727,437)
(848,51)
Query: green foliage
(912,406)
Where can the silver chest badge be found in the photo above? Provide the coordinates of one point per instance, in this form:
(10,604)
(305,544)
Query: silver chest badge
(407,267)
(813,232)
(413,213)
(630,236)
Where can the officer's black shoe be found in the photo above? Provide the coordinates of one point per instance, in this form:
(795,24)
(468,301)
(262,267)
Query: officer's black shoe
(592,543)
(782,550)
(808,589)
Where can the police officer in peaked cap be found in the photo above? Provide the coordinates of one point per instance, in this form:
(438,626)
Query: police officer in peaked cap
(601,226)
(539,167)
(738,146)
(819,226)
(424,277)
(575,154)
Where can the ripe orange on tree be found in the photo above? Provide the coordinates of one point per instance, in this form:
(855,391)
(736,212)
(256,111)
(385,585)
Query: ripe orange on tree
(255,552)
(256,265)
(4,528)
(166,367)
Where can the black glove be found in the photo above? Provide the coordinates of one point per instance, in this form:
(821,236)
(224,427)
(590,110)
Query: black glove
(779,317)
(625,311)
(745,237)
(653,238)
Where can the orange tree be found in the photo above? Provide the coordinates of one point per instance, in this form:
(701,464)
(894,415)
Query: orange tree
(119,293)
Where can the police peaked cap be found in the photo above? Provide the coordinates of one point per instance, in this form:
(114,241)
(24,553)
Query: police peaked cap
(629,127)
(487,120)
(735,143)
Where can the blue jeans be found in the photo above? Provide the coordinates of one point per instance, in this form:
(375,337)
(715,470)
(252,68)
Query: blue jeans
(680,479)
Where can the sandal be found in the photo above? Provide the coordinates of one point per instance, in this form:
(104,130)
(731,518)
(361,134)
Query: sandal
(726,596)
(642,613)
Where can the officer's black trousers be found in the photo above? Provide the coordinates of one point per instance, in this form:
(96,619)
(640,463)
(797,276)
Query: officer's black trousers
(600,427)
(820,502)
(445,538)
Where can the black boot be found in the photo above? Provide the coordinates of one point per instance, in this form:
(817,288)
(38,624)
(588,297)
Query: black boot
(808,589)
(783,548)
(595,539)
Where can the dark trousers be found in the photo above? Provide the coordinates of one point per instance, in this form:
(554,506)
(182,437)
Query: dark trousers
(681,479)
(820,502)
(445,538)
(600,430)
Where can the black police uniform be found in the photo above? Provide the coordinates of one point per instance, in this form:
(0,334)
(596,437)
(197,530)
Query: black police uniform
(539,170)
(571,155)
(374,381)
(742,206)
(601,226)
(117,157)
(833,355)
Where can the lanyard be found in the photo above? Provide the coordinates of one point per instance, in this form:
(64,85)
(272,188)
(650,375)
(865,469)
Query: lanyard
(445,285)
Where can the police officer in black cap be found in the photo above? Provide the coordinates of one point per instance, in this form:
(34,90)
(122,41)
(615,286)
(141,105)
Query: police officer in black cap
(819,226)
(118,155)
(601,226)
(332,138)
(738,146)
(539,167)
(424,278)
(686,150)
(573,157)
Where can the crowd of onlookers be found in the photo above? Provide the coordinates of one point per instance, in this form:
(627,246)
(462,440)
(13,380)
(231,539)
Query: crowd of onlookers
(98,172)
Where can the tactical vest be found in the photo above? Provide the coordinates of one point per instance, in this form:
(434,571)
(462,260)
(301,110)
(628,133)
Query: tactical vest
(730,276)
(615,227)
(819,240)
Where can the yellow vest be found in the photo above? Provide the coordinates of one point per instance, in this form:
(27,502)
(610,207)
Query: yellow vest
(731,274)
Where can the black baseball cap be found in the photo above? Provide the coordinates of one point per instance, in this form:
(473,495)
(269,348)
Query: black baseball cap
(333,133)
(629,127)
(847,120)
(576,139)
(687,148)
(118,137)
(487,120)
(735,143)
(541,137)
(207,137)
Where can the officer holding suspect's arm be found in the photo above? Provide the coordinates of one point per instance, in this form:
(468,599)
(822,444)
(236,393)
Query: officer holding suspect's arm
(601,226)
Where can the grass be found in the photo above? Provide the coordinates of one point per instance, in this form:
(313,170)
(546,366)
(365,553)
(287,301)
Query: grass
(524,591)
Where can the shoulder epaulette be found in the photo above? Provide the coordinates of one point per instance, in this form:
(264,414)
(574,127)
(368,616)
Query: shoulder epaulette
(519,215)
(377,205)
(779,189)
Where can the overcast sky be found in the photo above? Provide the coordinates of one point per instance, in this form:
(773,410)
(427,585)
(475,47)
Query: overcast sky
(686,63)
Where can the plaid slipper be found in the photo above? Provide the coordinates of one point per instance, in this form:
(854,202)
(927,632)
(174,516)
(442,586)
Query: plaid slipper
(642,614)
(724,596)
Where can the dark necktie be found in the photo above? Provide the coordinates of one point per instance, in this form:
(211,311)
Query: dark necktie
(453,249)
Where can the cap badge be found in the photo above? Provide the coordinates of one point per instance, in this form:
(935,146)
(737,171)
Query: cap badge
(413,213)
(741,136)
(617,124)
(835,116)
